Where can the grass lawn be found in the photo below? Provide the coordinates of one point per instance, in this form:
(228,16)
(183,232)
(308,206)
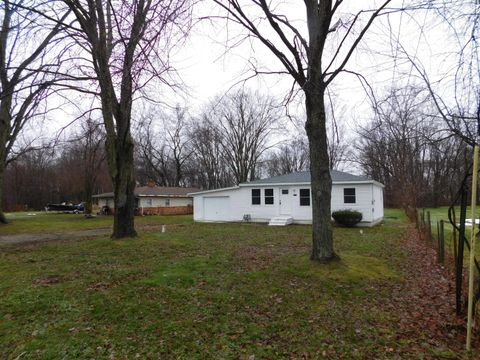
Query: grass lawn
(39,222)
(199,291)
(441,213)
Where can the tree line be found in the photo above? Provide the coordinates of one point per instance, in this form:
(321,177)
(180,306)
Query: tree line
(241,136)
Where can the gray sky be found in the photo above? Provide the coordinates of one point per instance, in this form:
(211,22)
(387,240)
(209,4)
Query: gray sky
(209,67)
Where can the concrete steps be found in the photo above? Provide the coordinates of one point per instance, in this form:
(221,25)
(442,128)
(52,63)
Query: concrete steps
(281,220)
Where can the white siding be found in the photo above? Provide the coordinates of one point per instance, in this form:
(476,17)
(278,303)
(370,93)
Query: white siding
(216,208)
(237,202)
(155,202)
(105,202)
(162,201)
(378,202)
(363,199)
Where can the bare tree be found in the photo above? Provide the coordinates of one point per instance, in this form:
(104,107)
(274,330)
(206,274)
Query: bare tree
(125,40)
(163,154)
(339,146)
(152,158)
(179,144)
(92,147)
(306,61)
(410,151)
(208,159)
(244,122)
(291,156)
(455,94)
(31,181)
(27,71)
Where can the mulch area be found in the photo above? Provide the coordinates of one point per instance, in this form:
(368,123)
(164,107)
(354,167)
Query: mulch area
(426,302)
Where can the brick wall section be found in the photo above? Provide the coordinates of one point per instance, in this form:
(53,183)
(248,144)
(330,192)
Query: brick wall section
(170,210)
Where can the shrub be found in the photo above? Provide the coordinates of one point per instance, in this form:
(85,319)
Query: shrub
(347,217)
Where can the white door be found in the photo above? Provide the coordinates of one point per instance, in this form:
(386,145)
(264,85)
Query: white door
(285,202)
(216,208)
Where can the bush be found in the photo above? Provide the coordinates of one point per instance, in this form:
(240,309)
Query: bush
(348,218)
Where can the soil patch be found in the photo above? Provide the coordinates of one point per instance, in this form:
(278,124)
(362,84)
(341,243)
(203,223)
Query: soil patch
(14,239)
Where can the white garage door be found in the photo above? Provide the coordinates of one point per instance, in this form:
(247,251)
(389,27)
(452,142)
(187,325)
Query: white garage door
(216,208)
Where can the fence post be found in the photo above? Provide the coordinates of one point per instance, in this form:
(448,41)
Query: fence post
(441,250)
(454,240)
(429,227)
(438,236)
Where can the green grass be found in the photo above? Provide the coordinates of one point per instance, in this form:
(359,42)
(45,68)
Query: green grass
(202,291)
(441,213)
(39,222)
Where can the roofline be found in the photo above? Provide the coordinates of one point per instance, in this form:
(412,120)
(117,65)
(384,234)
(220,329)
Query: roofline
(308,183)
(162,195)
(102,195)
(375,182)
(142,195)
(213,191)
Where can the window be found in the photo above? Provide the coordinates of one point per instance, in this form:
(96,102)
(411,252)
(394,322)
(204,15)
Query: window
(149,202)
(256,196)
(268,196)
(304,197)
(284,191)
(349,196)
(167,202)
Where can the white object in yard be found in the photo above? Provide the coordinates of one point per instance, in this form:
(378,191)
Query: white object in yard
(281,221)
(31,214)
(164,228)
(468,222)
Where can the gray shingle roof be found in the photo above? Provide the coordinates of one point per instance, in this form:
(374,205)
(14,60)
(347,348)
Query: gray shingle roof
(156,191)
(304,177)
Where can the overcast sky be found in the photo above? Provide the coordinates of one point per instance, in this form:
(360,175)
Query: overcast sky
(208,66)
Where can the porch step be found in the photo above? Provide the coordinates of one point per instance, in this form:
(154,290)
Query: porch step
(281,221)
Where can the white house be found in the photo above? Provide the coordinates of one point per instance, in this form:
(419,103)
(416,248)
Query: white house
(285,199)
(153,199)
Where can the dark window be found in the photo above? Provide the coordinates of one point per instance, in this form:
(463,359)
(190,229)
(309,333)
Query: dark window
(304,197)
(268,196)
(256,196)
(167,202)
(349,196)
(284,191)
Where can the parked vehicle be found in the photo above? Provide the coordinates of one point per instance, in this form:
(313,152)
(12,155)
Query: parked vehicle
(68,208)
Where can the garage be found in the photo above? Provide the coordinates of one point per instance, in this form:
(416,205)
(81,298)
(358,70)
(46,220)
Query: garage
(216,207)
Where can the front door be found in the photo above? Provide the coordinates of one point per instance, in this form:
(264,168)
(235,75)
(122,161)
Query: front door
(285,202)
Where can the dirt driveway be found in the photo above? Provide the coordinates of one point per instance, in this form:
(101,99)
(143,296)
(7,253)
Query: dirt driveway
(14,239)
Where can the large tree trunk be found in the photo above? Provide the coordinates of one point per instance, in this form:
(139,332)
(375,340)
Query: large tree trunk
(124,186)
(5,122)
(88,194)
(321,188)
(3,219)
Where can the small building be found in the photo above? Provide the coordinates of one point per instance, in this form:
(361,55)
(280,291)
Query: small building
(158,200)
(286,199)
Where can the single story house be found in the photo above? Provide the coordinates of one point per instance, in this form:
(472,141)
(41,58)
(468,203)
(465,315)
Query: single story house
(285,199)
(151,199)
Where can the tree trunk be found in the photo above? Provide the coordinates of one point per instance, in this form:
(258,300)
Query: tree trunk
(5,122)
(124,186)
(88,193)
(3,219)
(321,181)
